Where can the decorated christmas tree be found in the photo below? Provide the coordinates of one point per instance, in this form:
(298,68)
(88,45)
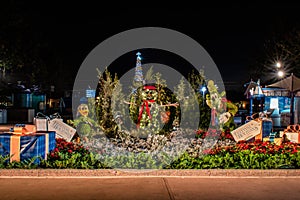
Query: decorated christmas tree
(138,77)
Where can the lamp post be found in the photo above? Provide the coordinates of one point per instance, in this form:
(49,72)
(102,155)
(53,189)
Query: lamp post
(203,90)
(278,64)
(280,73)
(280,70)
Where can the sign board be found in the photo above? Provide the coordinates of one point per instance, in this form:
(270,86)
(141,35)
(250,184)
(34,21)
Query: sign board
(62,129)
(293,137)
(247,131)
(90,93)
(42,124)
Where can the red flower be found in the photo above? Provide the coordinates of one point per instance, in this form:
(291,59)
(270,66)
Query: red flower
(206,151)
(294,151)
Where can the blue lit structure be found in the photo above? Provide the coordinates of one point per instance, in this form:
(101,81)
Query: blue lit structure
(254,92)
(292,85)
(278,101)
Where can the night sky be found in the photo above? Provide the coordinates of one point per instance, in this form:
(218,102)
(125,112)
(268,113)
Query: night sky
(233,35)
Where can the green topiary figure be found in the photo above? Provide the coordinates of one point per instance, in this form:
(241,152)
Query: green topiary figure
(222,110)
(86,127)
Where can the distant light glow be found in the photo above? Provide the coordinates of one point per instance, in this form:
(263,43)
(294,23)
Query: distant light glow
(278,64)
(280,73)
(203,89)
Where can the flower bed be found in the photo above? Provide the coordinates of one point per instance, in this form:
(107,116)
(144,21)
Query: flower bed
(225,154)
(244,155)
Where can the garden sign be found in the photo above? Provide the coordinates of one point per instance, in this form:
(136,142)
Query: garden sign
(247,131)
(62,129)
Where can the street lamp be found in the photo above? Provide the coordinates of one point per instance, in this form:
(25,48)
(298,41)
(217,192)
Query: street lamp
(280,70)
(280,73)
(203,90)
(278,64)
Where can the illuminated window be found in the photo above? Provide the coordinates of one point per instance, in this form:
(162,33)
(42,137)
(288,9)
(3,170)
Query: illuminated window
(274,103)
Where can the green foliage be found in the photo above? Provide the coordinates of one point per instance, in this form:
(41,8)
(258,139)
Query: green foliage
(84,129)
(256,155)
(117,99)
(133,161)
(245,159)
(75,160)
(92,112)
(25,164)
(103,106)
(189,105)
(149,74)
(197,80)
(188,93)
(3,161)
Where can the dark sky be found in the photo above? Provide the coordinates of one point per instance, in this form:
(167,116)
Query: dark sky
(233,35)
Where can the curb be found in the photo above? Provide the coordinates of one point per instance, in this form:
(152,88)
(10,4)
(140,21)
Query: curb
(210,173)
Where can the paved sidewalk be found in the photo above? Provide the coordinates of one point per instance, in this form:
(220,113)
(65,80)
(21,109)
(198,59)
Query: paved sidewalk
(96,173)
(149,184)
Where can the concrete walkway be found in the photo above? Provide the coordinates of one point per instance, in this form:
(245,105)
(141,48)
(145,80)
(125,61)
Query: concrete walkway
(149,184)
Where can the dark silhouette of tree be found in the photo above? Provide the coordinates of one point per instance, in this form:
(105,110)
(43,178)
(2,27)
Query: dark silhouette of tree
(26,53)
(281,47)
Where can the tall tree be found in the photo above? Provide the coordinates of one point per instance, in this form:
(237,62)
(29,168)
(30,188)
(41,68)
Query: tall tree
(106,87)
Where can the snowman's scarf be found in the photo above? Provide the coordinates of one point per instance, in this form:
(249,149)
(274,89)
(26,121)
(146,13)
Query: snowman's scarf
(145,103)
